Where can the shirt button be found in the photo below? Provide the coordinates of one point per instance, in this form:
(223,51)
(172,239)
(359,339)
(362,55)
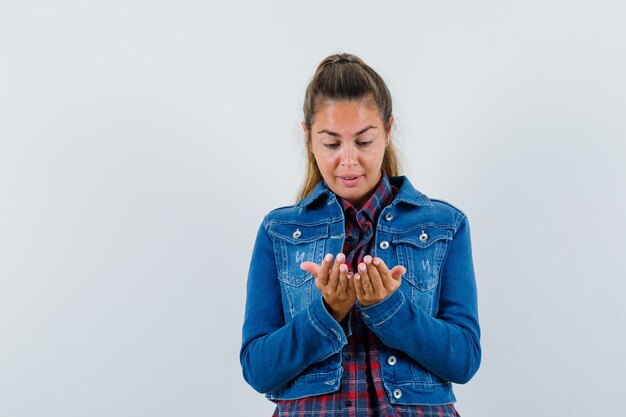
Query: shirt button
(423,237)
(392,360)
(348,403)
(384,244)
(297,234)
(389,216)
(348,357)
(397,393)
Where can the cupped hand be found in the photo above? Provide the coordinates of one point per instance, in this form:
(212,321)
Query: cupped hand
(374,281)
(335,283)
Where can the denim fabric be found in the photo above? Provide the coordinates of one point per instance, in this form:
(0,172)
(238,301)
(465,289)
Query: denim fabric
(292,346)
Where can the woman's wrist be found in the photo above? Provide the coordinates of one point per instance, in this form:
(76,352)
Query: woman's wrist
(337,313)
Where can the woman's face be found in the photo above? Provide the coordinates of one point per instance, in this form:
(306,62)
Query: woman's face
(348,140)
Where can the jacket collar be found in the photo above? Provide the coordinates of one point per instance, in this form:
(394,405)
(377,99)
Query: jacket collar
(406,194)
(320,191)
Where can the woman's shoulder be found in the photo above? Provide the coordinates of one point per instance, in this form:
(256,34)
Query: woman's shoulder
(321,211)
(282,213)
(412,201)
(444,205)
(319,206)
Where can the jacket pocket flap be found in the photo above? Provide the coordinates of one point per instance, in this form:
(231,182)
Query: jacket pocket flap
(297,233)
(423,237)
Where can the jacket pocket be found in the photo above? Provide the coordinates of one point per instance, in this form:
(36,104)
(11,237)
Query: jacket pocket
(294,244)
(422,251)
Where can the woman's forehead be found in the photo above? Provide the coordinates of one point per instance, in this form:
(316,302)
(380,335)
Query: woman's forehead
(346,113)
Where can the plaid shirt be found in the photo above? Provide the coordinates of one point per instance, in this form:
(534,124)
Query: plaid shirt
(362,393)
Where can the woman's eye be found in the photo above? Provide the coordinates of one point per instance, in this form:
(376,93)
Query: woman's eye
(331,145)
(364,143)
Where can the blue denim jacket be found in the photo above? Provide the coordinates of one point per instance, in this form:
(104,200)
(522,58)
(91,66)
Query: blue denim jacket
(292,346)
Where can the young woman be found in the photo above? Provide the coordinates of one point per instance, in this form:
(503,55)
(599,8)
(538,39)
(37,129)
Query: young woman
(361,298)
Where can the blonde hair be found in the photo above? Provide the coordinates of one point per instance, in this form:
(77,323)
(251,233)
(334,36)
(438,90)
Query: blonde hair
(345,77)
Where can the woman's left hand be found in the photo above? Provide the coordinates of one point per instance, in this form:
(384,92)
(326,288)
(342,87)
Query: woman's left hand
(374,282)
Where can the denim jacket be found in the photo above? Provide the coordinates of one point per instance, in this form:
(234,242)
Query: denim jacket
(428,327)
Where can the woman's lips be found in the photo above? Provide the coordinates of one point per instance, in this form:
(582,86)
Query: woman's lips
(349,180)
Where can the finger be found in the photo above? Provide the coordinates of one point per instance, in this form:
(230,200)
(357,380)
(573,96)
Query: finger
(313,269)
(333,279)
(366,283)
(350,289)
(397,272)
(384,273)
(358,286)
(310,267)
(374,276)
(322,274)
(380,265)
(390,279)
(343,279)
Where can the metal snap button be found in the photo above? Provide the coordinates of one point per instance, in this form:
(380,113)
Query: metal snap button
(423,237)
(297,234)
(384,244)
(397,393)
(392,360)
(389,216)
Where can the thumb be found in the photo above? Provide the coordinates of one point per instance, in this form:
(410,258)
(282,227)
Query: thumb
(310,267)
(397,272)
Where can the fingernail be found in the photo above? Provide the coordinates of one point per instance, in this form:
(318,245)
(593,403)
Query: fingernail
(328,257)
(343,267)
(350,275)
(341,257)
(357,276)
(362,267)
(376,261)
(367,259)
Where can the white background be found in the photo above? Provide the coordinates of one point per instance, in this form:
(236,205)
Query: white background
(141,143)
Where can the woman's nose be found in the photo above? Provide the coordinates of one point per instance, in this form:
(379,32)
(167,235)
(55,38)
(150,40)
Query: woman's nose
(348,157)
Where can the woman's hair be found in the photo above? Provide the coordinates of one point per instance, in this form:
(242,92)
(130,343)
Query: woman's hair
(345,77)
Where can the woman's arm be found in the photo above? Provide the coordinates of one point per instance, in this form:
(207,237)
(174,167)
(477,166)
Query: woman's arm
(447,345)
(274,352)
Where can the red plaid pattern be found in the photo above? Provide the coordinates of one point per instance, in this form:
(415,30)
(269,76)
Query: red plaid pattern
(360,224)
(362,393)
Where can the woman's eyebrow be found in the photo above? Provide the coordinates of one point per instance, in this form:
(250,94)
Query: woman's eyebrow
(335,134)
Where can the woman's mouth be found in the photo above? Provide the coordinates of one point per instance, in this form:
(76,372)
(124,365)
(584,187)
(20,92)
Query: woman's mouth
(350,180)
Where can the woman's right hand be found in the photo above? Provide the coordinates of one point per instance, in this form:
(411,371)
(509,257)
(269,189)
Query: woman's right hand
(336,284)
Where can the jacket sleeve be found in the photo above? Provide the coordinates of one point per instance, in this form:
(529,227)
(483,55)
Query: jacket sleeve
(274,351)
(448,345)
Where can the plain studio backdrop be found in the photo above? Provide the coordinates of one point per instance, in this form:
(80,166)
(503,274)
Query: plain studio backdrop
(142,142)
